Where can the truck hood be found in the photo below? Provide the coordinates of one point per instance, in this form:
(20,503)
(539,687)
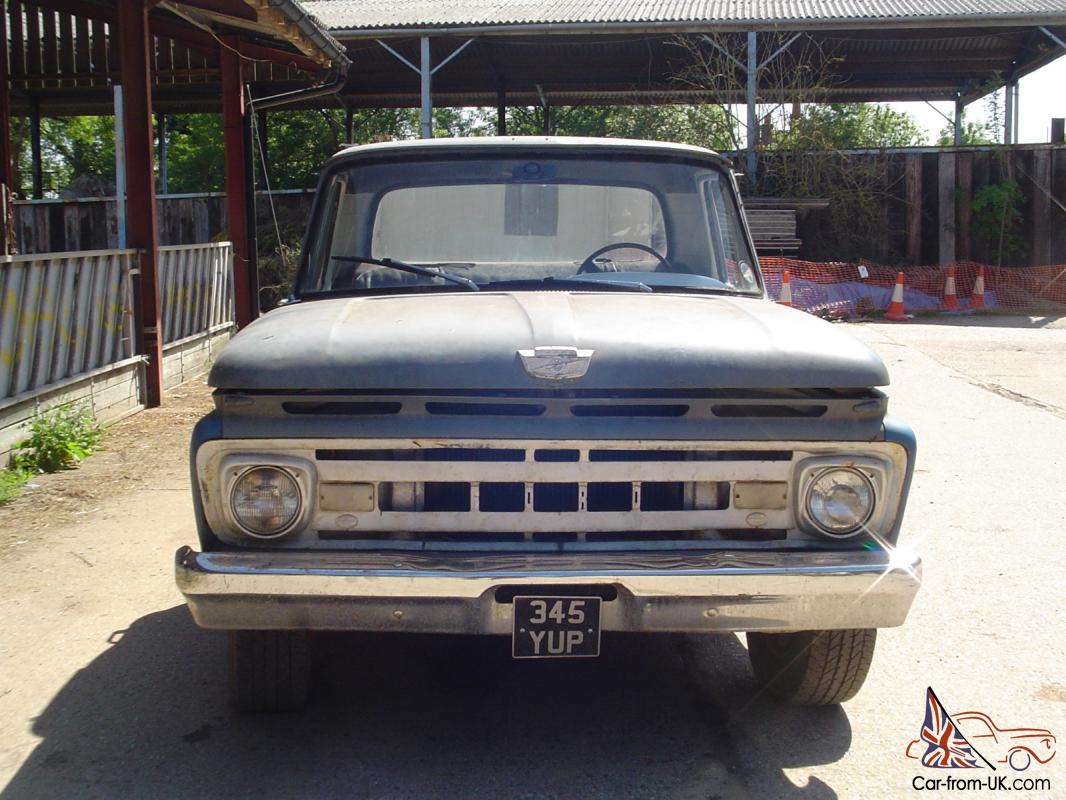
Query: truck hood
(442,342)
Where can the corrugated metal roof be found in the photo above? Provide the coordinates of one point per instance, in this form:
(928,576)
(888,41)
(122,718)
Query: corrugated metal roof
(376,15)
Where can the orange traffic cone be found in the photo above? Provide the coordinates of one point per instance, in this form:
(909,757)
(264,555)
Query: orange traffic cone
(785,298)
(978,300)
(895,308)
(951,300)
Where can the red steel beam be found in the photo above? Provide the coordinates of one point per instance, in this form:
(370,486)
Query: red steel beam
(233,111)
(134,42)
(199,39)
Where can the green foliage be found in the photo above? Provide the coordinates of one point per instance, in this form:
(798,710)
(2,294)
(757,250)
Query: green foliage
(194,153)
(70,147)
(997,219)
(704,125)
(59,439)
(11,481)
(845,126)
(973,132)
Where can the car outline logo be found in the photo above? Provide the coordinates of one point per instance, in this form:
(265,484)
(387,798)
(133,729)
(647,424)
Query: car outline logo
(952,741)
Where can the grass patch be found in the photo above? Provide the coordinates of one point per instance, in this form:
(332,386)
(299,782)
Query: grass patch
(11,481)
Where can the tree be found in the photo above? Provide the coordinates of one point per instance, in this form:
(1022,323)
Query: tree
(704,125)
(847,126)
(195,161)
(973,132)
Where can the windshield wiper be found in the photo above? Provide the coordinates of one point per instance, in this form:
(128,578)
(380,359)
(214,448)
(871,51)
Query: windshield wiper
(414,269)
(627,286)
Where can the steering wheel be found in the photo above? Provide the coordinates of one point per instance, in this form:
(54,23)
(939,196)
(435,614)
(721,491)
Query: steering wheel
(589,264)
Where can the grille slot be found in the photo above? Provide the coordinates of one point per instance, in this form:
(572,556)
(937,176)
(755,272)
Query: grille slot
(602,456)
(555,497)
(557,456)
(502,497)
(424,454)
(610,497)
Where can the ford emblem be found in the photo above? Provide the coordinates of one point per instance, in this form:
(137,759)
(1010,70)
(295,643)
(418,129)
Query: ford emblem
(556,363)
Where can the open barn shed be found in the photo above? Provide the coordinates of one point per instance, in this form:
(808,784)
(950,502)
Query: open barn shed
(113,327)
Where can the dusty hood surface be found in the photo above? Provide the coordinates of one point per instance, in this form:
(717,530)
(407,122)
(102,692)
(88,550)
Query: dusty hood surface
(471,341)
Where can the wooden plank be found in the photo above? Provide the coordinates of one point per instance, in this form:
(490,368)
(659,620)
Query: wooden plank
(66,44)
(1040,187)
(946,207)
(18,40)
(914,207)
(965,194)
(99,46)
(83,46)
(1058,213)
(33,41)
(50,45)
(982,172)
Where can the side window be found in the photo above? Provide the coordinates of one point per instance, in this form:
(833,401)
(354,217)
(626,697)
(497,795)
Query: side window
(322,235)
(728,240)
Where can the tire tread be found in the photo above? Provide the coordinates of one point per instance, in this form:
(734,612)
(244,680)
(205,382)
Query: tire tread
(813,668)
(269,670)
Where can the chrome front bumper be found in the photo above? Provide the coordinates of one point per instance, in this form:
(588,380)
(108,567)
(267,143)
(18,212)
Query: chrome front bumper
(451,593)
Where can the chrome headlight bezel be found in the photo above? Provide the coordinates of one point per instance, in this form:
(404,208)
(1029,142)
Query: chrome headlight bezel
(873,470)
(236,466)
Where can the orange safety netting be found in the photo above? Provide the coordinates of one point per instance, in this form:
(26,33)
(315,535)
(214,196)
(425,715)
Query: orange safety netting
(844,289)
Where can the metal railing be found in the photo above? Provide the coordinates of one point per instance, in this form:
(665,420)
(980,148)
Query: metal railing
(196,288)
(66,314)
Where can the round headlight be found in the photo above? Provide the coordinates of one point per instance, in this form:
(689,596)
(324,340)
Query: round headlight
(265,501)
(840,501)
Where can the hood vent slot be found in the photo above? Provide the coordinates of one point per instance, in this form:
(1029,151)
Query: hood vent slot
(630,410)
(342,408)
(486,409)
(769,410)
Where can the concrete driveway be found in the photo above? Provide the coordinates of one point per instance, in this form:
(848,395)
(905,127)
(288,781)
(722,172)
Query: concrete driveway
(108,690)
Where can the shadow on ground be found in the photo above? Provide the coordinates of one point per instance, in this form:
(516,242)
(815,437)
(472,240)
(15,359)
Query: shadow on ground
(426,717)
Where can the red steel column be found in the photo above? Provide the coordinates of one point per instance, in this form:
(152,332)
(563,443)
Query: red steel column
(141,234)
(233,111)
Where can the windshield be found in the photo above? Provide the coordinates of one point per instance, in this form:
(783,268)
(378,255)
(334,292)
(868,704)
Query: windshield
(519,222)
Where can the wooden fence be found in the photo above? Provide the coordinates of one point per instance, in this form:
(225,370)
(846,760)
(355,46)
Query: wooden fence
(44,226)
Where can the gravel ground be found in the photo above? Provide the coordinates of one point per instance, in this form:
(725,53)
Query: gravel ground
(108,690)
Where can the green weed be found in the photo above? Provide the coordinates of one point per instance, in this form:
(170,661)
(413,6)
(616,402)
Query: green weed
(60,438)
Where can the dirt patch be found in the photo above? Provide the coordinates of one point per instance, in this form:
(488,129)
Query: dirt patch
(148,450)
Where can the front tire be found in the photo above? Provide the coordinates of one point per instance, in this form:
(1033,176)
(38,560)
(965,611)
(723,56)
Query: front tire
(269,670)
(812,668)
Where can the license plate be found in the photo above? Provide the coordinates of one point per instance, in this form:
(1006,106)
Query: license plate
(556,627)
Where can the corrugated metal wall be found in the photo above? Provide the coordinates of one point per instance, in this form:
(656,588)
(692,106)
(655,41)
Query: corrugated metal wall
(66,314)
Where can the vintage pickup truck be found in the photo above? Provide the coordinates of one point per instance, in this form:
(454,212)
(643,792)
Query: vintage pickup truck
(534,387)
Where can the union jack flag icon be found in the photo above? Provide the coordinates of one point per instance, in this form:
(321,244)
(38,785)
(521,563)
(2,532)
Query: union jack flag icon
(946,747)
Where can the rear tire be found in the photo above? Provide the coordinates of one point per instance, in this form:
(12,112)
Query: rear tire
(269,670)
(812,668)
